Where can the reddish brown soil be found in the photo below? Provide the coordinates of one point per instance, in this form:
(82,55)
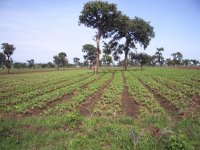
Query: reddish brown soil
(86,107)
(129,106)
(168,107)
(188,67)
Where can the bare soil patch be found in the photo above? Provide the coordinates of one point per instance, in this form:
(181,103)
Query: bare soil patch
(129,106)
(86,107)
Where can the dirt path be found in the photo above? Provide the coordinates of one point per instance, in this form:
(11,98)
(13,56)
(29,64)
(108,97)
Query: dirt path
(86,107)
(129,106)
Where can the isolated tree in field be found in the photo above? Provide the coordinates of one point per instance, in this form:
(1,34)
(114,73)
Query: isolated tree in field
(132,31)
(76,61)
(177,58)
(60,60)
(63,59)
(5,57)
(90,51)
(158,55)
(101,16)
(31,63)
(56,61)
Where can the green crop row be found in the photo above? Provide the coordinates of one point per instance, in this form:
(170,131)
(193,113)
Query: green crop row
(177,99)
(109,103)
(48,88)
(34,84)
(41,100)
(81,95)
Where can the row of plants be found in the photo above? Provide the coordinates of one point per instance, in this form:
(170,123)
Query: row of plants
(179,100)
(52,86)
(109,102)
(141,94)
(40,101)
(81,94)
(179,87)
(35,83)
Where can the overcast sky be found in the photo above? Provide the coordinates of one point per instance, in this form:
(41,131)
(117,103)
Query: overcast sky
(40,29)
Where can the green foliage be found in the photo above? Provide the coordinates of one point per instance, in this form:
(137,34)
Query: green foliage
(76,60)
(61,126)
(134,31)
(60,60)
(175,142)
(31,63)
(177,58)
(99,15)
(5,57)
(90,51)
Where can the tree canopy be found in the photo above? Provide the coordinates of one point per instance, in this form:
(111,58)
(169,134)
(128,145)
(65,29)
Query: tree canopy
(133,31)
(5,57)
(90,55)
(101,16)
(76,60)
(60,60)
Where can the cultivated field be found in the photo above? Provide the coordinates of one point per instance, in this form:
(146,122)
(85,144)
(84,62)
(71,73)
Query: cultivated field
(154,108)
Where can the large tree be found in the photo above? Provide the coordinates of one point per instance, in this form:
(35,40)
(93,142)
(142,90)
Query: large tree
(5,57)
(158,55)
(132,31)
(90,51)
(101,16)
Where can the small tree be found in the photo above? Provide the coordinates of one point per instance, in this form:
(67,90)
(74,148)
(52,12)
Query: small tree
(169,62)
(101,16)
(186,62)
(144,59)
(56,60)
(63,59)
(159,57)
(60,60)
(177,58)
(31,63)
(194,62)
(106,59)
(76,61)
(90,51)
(86,63)
(5,57)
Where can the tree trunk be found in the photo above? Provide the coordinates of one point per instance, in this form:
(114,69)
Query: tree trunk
(98,36)
(126,60)
(8,70)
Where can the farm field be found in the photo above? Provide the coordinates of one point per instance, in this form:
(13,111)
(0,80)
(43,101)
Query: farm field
(154,108)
